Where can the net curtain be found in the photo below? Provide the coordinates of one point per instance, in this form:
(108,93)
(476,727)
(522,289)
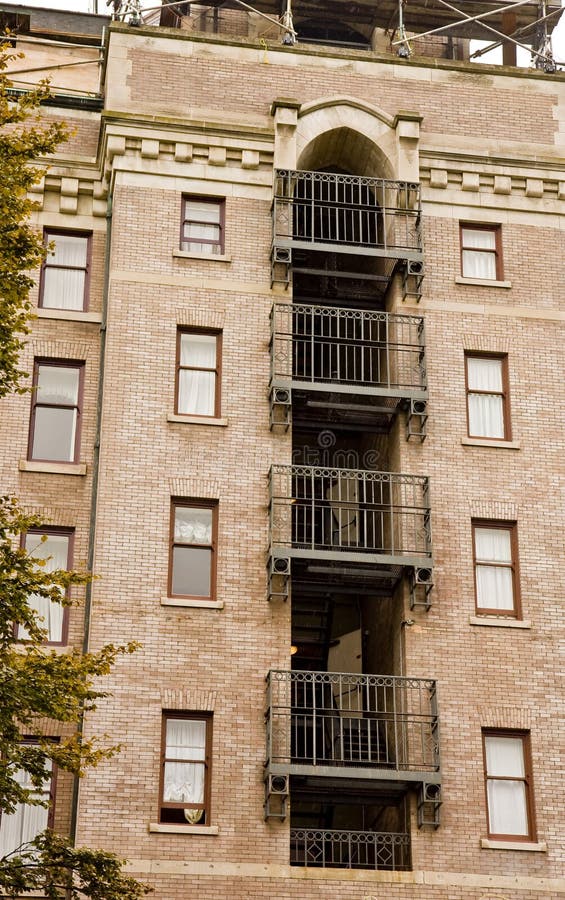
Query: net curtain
(486,417)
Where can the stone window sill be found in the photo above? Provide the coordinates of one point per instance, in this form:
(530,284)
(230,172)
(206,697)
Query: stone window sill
(197,420)
(210,257)
(500,621)
(531,846)
(158,828)
(70,315)
(483,282)
(488,442)
(53,468)
(192,604)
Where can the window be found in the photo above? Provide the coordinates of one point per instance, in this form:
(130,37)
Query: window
(192,556)
(198,373)
(54,432)
(481,252)
(27,821)
(55,546)
(508,785)
(202,226)
(496,582)
(185,775)
(64,276)
(488,414)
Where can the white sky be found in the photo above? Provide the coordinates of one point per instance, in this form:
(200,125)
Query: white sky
(88,6)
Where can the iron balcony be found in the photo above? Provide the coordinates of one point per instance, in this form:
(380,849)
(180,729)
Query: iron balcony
(353,214)
(354,351)
(345,725)
(330,848)
(350,515)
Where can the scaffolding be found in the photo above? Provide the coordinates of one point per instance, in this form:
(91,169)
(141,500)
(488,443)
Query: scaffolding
(406,27)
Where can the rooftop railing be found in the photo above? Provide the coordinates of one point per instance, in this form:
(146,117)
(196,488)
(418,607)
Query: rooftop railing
(323,347)
(360,722)
(353,512)
(329,848)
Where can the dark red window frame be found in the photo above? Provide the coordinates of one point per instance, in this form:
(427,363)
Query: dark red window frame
(220,204)
(173,812)
(65,364)
(217,370)
(66,532)
(504,394)
(50,234)
(496,252)
(211,505)
(527,779)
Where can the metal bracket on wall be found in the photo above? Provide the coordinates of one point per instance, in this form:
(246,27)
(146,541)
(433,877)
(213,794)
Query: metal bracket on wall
(412,278)
(281,263)
(416,420)
(429,802)
(279,577)
(281,399)
(276,797)
(421,585)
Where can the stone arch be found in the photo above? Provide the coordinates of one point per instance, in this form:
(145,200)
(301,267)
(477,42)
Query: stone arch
(348,134)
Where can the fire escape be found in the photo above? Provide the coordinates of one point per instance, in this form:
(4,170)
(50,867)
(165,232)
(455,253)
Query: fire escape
(350,738)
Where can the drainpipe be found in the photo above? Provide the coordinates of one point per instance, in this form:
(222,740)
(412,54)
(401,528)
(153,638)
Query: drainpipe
(95,475)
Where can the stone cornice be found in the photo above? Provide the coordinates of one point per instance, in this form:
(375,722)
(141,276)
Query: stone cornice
(317,52)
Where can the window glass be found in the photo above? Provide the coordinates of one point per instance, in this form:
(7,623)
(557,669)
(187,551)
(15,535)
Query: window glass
(192,558)
(479,254)
(507,786)
(486,397)
(201,230)
(64,278)
(494,569)
(185,773)
(185,770)
(27,821)
(55,550)
(55,412)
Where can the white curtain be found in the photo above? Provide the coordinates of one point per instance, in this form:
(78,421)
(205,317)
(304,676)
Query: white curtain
(57,385)
(507,803)
(193,525)
(57,547)
(494,583)
(197,385)
(486,413)
(64,276)
(184,781)
(25,823)
(479,258)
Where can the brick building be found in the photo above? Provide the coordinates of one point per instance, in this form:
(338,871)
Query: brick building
(298,358)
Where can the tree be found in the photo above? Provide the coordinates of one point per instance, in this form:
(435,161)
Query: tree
(23,140)
(37,682)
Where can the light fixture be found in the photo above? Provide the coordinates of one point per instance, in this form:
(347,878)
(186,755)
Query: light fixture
(293,649)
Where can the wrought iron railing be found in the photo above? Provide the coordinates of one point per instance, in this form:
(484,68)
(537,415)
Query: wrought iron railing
(347,212)
(349,510)
(329,848)
(326,345)
(359,721)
